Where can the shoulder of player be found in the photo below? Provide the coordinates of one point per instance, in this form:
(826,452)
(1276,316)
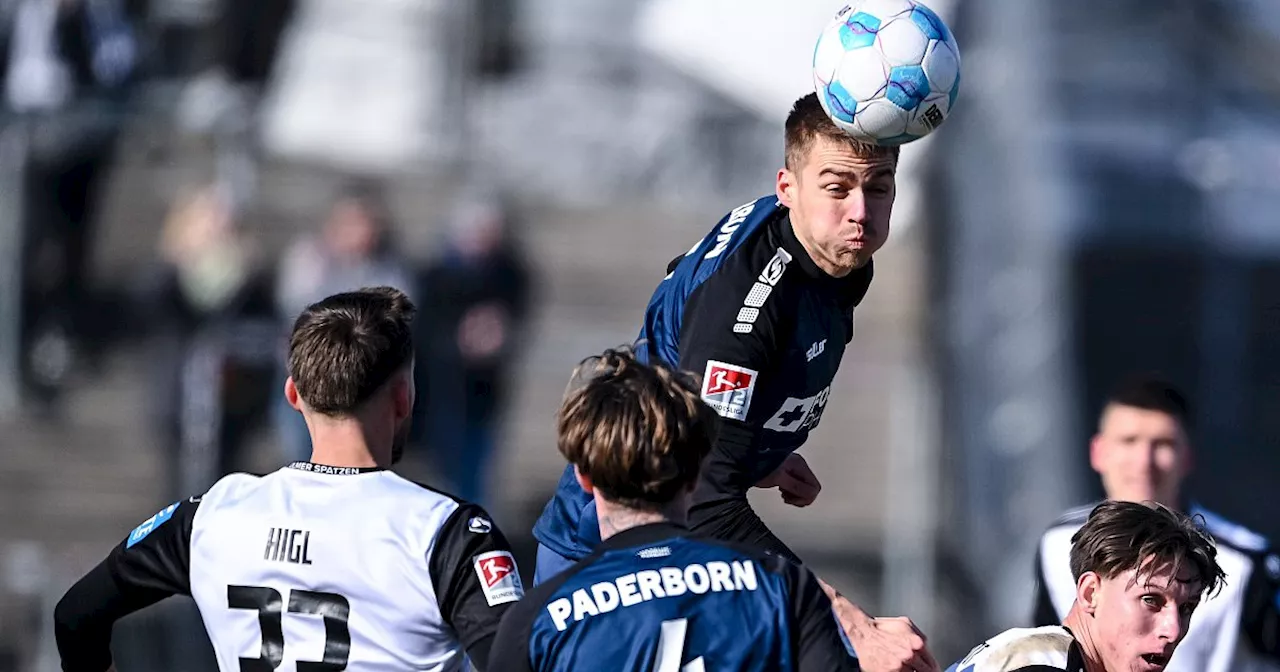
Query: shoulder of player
(1055,541)
(537,597)
(737,243)
(753,276)
(1229,533)
(1075,516)
(227,486)
(768,562)
(1044,648)
(448,509)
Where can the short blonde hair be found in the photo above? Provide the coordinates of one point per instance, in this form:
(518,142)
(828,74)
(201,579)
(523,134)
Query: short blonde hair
(638,431)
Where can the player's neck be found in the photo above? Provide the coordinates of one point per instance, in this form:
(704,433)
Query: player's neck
(1079,623)
(343,443)
(615,518)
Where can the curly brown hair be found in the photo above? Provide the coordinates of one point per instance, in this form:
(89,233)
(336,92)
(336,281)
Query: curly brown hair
(638,431)
(1147,537)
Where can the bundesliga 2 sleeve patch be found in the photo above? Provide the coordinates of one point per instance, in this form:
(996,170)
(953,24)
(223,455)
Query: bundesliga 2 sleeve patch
(140,532)
(727,389)
(498,577)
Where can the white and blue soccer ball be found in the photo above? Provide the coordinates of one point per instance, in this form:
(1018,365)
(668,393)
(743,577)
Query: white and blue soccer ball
(887,72)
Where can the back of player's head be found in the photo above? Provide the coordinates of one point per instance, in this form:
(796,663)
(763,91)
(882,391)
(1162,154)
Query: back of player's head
(1151,393)
(1147,537)
(348,346)
(638,431)
(808,121)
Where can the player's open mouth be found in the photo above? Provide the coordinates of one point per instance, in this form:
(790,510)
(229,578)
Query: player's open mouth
(1155,660)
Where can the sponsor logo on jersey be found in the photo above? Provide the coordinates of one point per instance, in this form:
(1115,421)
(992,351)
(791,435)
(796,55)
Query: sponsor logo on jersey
(654,552)
(728,388)
(760,291)
(815,350)
(736,217)
(149,525)
(652,584)
(479,525)
(799,414)
(498,577)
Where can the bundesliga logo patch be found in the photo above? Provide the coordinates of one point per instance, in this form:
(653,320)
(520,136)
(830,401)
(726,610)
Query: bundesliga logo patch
(727,389)
(498,577)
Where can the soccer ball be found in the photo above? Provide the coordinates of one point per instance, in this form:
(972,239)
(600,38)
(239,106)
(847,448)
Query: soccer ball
(887,71)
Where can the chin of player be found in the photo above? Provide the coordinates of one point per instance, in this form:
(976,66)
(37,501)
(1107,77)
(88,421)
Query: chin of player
(851,260)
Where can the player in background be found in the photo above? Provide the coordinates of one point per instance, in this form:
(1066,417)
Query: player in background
(1140,572)
(762,309)
(331,564)
(654,596)
(1142,452)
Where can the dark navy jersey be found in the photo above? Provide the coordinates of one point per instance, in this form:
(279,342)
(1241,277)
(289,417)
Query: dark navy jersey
(655,599)
(749,311)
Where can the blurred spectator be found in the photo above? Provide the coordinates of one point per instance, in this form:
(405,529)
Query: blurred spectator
(66,67)
(353,249)
(209,309)
(1142,452)
(474,308)
(224,101)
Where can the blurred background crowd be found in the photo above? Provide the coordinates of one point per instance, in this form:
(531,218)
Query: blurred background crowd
(178,178)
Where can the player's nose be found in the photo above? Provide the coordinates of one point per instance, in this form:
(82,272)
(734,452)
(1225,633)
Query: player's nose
(1169,625)
(856,207)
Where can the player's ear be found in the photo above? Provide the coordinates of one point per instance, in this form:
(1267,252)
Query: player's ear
(584,481)
(1087,591)
(786,187)
(1097,450)
(291,394)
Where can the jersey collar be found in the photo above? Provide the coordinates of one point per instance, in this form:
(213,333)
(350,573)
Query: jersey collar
(332,471)
(792,244)
(644,534)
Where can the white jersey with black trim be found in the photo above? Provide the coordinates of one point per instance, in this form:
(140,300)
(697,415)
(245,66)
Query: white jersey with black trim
(1046,649)
(310,567)
(1234,630)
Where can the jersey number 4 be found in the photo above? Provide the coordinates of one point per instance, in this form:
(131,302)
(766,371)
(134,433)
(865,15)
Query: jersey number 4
(270,607)
(671,649)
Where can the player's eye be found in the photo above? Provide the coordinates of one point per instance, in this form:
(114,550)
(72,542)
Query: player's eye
(836,189)
(1151,601)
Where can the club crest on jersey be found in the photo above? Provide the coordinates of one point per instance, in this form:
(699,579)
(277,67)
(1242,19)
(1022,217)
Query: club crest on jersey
(727,389)
(498,577)
(140,532)
(479,525)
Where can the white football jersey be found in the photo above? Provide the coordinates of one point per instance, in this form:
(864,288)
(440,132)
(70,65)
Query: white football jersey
(1236,629)
(322,568)
(1025,650)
